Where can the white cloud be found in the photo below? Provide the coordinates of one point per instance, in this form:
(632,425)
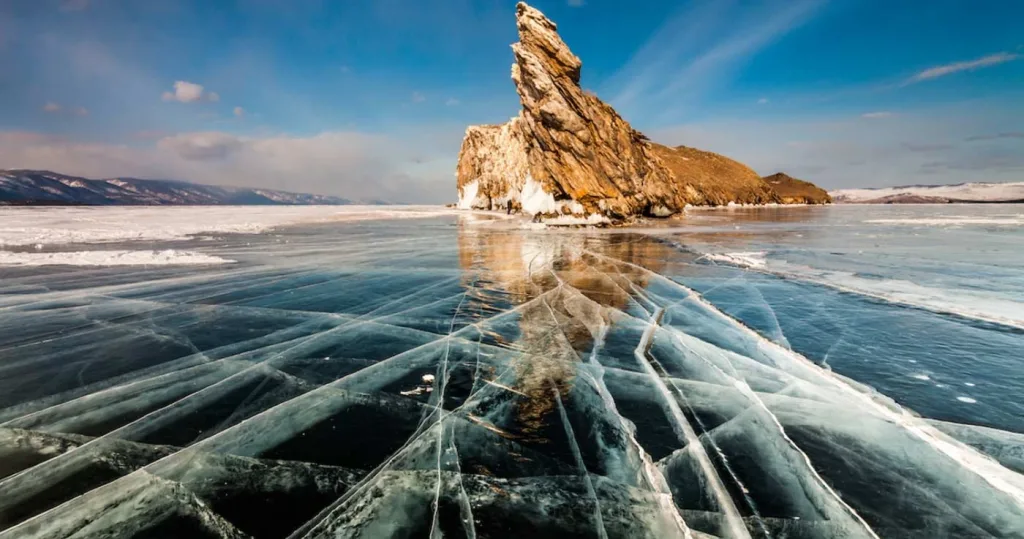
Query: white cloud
(877,114)
(417,97)
(201,146)
(239,112)
(762,101)
(189,92)
(956,67)
(452,102)
(56,108)
(345,69)
(345,163)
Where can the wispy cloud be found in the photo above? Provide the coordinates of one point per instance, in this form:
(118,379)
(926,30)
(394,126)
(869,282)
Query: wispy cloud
(239,112)
(877,115)
(189,92)
(452,102)
(74,5)
(762,101)
(418,97)
(956,67)
(699,48)
(56,108)
(924,148)
(577,3)
(997,136)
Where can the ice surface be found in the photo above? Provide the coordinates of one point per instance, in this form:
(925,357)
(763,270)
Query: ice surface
(46,226)
(961,260)
(446,379)
(953,220)
(967,303)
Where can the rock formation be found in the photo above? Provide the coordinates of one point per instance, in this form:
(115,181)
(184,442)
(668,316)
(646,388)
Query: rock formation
(567,152)
(793,191)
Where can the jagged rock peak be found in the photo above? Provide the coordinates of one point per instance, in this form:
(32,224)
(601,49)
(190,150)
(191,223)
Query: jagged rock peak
(538,36)
(567,152)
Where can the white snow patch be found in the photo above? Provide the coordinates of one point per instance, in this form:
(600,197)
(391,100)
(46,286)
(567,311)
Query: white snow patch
(110,258)
(78,184)
(754,259)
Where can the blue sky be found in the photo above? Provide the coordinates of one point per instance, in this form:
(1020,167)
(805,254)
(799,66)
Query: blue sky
(369,98)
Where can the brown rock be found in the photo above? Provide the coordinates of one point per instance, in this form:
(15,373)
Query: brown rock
(569,152)
(793,191)
(710,179)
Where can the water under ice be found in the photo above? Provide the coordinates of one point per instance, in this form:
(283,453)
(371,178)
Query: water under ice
(453,378)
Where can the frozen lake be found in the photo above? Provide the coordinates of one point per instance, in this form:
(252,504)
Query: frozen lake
(805,372)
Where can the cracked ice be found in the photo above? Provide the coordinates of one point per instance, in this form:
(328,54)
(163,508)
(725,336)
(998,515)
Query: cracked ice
(441,378)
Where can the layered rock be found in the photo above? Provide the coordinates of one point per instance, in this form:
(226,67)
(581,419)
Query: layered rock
(567,152)
(793,191)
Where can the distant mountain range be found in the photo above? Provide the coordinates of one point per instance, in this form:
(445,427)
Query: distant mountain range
(42,187)
(963,193)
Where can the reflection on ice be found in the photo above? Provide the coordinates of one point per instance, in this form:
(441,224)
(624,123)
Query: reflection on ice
(479,382)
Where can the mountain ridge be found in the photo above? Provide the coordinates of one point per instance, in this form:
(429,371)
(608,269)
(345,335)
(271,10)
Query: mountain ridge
(24,187)
(960,193)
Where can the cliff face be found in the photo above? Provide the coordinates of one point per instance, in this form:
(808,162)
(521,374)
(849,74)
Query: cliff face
(567,152)
(793,191)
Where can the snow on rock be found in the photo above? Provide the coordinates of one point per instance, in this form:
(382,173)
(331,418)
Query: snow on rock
(468,198)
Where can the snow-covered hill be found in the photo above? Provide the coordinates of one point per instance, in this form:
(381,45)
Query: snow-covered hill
(45,187)
(923,194)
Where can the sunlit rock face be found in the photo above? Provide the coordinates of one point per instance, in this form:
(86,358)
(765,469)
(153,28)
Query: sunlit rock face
(794,191)
(580,157)
(568,152)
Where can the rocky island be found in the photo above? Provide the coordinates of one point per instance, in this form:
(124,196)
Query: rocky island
(569,153)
